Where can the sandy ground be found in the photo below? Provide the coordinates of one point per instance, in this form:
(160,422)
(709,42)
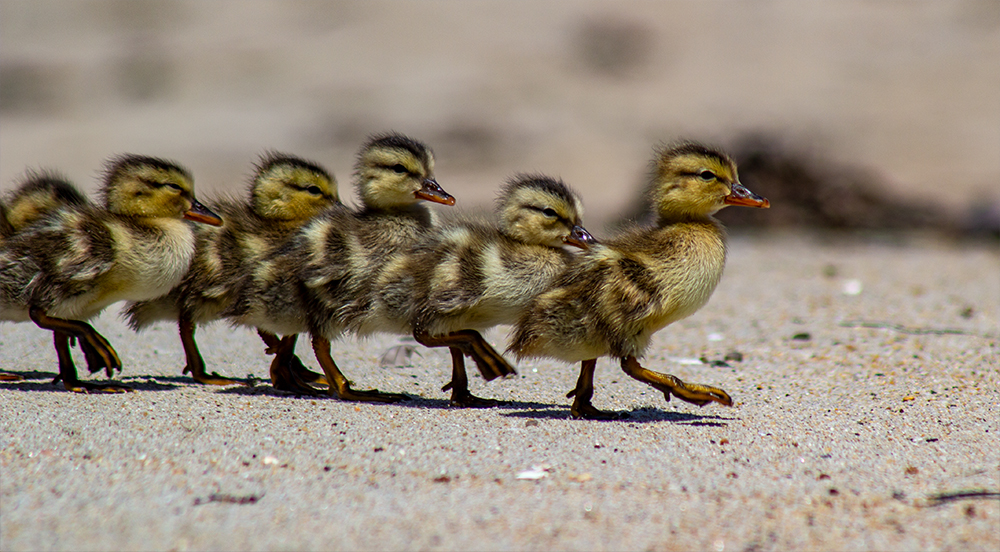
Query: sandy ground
(839,440)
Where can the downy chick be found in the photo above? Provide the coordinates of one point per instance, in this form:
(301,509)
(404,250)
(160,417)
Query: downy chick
(79,259)
(471,276)
(618,293)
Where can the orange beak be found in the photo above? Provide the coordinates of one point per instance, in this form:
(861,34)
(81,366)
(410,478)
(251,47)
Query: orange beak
(745,198)
(433,192)
(200,213)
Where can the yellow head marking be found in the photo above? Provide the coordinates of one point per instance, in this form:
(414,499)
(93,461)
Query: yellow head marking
(392,169)
(291,189)
(539,210)
(143,186)
(691,181)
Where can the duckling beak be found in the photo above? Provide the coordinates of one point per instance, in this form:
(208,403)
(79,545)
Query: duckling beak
(433,192)
(746,198)
(580,238)
(200,213)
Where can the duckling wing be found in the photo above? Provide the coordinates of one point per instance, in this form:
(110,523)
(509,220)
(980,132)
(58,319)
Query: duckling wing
(55,263)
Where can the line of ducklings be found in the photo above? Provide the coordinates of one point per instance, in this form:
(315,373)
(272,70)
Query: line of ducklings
(293,259)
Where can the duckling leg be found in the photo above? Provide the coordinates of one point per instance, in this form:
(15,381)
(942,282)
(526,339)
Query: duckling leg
(67,371)
(491,364)
(691,392)
(195,363)
(94,344)
(339,383)
(282,376)
(459,384)
(7,376)
(295,365)
(582,408)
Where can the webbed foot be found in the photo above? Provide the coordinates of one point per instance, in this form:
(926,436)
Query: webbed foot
(465,399)
(693,393)
(78,386)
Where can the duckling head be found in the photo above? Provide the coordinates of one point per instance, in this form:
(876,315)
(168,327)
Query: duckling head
(140,186)
(539,210)
(394,171)
(692,181)
(40,193)
(288,188)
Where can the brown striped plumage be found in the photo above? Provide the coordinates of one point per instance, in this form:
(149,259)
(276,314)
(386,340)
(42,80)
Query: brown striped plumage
(322,277)
(285,192)
(618,293)
(39,194)
(474,275)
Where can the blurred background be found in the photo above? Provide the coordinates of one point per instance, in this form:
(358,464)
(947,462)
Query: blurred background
(845,114)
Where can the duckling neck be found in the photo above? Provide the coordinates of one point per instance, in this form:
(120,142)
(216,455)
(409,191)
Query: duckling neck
(417,212)
(669,218)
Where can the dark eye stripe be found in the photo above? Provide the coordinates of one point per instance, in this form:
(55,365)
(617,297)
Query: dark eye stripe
(558,217)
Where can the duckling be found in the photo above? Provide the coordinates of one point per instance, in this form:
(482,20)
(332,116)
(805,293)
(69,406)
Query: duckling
(285,192)
(76,261)
(618,293)
(39,194)
(472,275)
(321,277)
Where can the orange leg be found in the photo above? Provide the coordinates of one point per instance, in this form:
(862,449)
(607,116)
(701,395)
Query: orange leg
(459,384)
(195,363)
(693,393)
(339,383)
(584,392)
(90,340)
(67,371)
(491,364)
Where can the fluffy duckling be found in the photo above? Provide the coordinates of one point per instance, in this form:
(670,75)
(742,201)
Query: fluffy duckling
(76,261)
(618,293)
(285,192)
(39,194)
(322,276)
(471,276)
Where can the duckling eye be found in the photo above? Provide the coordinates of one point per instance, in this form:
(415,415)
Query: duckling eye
(173,186)
(399,168)
(707,175)
(549,212)
(314,190)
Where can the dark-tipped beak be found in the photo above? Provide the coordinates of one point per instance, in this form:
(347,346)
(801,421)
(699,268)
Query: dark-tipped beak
(746,198)
(433,192)
(580,238)
(200,213)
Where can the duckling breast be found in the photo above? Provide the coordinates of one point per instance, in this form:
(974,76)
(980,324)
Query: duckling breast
(150,258)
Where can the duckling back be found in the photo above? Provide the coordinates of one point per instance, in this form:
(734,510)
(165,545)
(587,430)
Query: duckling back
(39,194)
